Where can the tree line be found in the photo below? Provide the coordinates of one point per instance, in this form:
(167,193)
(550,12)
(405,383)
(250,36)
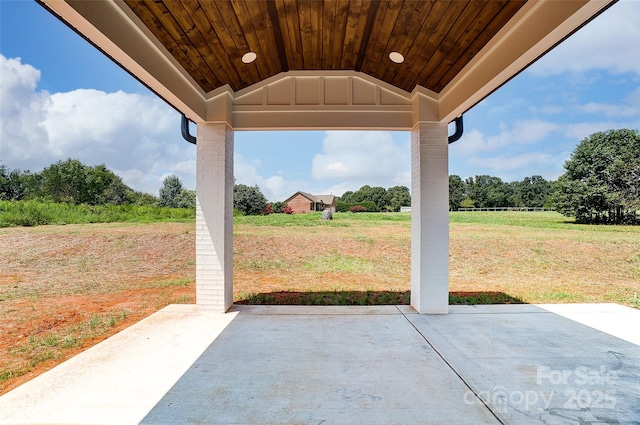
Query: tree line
(473,192)
(601,185)
(73,182)
(374,199)
(489,192)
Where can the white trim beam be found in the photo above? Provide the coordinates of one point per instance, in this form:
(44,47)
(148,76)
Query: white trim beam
(114,29)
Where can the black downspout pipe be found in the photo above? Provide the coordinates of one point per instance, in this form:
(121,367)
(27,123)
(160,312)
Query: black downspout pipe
(185,130)
(191,139)
(459,130)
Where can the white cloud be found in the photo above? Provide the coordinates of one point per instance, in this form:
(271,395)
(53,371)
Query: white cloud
(580,130)
(598,45)
(184,167)
(501,163)
(630,107)
(340,188)
(524,132)
(274,188)
(362,157)
(547,110)
(136,136)
(516,167)
(609,110)
(278,187)
(338,167)
(21,112)
(244,172)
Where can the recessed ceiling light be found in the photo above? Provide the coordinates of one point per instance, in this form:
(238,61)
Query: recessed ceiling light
(396,57)
(249,57)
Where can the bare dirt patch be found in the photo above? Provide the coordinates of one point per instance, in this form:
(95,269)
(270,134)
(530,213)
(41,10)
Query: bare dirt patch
(66,288)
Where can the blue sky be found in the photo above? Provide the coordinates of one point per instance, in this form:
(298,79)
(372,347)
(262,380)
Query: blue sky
(61,98)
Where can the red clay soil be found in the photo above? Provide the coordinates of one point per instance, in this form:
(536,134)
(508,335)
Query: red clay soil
(54,280)
(57,282)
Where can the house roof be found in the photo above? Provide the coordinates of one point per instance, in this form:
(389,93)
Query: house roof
(455,52)
(326,199)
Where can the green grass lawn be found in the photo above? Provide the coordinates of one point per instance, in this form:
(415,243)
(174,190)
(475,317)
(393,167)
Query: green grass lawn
(495,257)
(38,213)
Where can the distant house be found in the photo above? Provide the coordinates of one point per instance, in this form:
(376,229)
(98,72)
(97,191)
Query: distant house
(303,202)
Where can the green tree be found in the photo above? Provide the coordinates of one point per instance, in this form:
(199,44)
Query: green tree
(64,181)
(347,198)
(248,199)
(396,197)
(186,199)
(533,191)
(5,188)
(457,192)
(377,195)
(13,183)
(467,203)
(72,181)
(602,179)
(488,192)
(362,194)
(117,193)
(277,206)
(169,192)
(342,206)
(141,198)
(98,181)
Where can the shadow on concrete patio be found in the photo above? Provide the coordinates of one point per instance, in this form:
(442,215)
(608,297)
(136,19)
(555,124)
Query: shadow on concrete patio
(362,298)
(509,364)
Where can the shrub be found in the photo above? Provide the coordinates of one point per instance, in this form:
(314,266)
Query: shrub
(186,199)
(267,210)
(342,206)
(368,206)
(467,203)
(277,206)
(248,199)
(357,208)
(287,209)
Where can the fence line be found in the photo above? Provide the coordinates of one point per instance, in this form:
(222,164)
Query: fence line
(507,209)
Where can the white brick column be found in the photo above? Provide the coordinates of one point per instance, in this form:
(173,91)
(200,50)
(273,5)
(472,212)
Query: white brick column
(430,218)
(214,217)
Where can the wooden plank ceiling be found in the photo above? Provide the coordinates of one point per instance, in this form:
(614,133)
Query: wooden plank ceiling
(436,37)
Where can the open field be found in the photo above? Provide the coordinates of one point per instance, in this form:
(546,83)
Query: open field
(65,288)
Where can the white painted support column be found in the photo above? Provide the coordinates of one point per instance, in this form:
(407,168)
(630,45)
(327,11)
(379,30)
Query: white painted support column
(214,217)
(430,218)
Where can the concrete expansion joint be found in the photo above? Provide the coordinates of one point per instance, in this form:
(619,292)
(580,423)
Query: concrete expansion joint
(466,384)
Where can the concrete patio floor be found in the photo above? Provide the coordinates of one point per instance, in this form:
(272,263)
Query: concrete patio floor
(502,364)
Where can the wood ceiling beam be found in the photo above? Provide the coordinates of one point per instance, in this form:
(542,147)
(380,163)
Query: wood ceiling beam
(373,9)
(133,38)
(275,23)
